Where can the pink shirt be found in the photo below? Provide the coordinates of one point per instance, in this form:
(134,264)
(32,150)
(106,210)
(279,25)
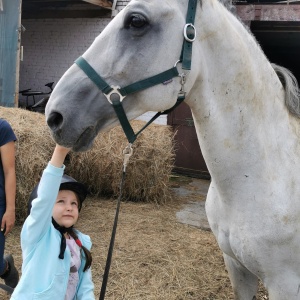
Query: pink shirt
(74,267)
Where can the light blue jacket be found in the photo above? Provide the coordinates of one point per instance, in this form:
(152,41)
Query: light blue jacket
(44,275)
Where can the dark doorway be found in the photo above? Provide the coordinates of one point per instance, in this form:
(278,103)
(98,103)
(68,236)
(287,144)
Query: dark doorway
(280,40)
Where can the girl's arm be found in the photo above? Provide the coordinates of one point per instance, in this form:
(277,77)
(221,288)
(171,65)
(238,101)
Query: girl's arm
(39,220)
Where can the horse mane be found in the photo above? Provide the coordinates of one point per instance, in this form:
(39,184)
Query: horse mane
(292,92)
(287,79)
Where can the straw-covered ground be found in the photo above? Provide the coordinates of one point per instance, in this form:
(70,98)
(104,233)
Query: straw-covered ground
(155,257)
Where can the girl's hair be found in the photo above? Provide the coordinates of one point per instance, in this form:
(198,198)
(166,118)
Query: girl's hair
(87,253)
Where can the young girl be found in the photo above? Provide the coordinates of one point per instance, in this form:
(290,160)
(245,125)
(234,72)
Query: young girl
(56,257)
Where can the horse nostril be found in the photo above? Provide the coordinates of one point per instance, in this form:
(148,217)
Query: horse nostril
(55,121)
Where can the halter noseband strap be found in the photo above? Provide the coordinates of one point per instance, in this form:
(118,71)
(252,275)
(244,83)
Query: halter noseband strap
(115,94)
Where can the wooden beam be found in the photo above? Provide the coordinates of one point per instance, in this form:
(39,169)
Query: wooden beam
(60,14)
(102,3)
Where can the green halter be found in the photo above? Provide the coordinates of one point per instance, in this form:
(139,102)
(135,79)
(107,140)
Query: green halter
(115,95)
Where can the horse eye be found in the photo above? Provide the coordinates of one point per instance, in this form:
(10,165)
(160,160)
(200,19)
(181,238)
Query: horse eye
(137,21)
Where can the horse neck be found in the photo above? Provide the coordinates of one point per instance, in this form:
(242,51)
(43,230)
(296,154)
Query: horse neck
(240,98)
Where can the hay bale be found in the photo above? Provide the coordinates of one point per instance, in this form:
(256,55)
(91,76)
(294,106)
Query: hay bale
(148,169)
(100,168)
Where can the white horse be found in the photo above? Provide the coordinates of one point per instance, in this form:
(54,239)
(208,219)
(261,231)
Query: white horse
(246,116)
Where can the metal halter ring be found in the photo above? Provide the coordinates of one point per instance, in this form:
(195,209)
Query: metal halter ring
(178,61)
(185,32)
(114,95)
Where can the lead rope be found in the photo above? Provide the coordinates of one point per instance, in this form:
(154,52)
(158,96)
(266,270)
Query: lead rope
(127,154)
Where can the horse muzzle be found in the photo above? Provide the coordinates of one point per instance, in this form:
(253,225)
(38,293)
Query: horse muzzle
(64,135)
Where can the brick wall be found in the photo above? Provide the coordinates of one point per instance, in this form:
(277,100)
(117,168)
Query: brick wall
(121,4)
(52,45)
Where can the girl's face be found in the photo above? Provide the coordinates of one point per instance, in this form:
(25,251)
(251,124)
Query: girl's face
(65,210)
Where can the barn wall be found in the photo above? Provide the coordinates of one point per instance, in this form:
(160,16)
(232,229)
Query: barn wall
(52,45)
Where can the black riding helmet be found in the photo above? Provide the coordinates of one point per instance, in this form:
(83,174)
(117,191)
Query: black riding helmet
(67,183)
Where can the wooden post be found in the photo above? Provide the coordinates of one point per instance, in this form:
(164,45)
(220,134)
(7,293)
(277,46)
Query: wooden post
(102,3)
(16,101)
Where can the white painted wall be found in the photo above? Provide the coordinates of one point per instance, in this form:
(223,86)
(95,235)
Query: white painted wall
(50,47)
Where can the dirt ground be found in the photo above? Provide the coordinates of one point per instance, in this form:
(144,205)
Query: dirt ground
(155,257)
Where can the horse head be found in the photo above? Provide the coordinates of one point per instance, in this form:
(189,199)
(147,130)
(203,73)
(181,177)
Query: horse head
(144,39)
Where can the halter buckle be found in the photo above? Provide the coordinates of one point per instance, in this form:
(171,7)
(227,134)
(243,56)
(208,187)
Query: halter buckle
(185,32)
(114,96)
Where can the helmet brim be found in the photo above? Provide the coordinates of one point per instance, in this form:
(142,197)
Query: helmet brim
(78,188)
(67,183)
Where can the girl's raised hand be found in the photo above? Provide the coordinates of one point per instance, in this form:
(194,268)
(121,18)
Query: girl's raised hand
(59,155)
